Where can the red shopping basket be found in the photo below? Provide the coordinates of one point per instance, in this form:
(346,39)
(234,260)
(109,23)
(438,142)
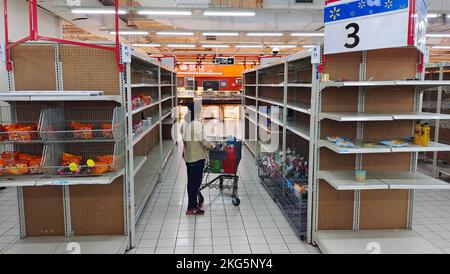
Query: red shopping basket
(230,164)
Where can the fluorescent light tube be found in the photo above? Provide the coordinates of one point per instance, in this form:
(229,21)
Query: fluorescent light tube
(146,45)
(433,15)
(308,34)
(165,12)
(130,32)
(215,46)
(97,11)
(264,34)
(308,46)
(438,35)
(441,47)
(175,33)
(250,46)
(181,45)
(229,13)
(284,46)
(220,34)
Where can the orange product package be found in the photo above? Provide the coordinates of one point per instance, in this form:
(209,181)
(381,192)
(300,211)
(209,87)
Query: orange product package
(17,168)
(107,130)
(9,157)
(82,131)
(108,159)
(2,167)
(21,133)
(100,168)
(67,159)
(146,99)
(3,133)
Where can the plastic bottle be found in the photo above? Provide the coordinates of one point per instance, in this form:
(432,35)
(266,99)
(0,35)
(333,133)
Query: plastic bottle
(418,134)
(426,135)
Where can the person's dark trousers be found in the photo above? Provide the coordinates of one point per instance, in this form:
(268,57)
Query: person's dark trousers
(195,177)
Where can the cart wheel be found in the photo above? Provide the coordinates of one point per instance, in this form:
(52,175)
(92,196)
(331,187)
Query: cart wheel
(236,201)
(201,199)
(302,238)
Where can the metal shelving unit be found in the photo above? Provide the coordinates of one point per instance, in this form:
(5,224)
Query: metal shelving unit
(364,112)
(89,190)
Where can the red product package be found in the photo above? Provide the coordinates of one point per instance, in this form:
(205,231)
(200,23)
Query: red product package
(82,131)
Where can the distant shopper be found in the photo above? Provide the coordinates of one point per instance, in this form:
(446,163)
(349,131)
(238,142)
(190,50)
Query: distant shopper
(195,152)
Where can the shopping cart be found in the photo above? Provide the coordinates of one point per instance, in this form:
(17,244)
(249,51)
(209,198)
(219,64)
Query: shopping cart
(224,163)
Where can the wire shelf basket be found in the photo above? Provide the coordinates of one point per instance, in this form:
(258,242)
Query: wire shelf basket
(84,159)
(20,125)
(87,124)
(27,162)
(291,201)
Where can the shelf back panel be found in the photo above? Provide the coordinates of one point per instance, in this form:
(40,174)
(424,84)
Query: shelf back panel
(392,64)
(384,209)
(97,209)
(34,67)
(344,66)
(335,208)
(89,69)
(44,211)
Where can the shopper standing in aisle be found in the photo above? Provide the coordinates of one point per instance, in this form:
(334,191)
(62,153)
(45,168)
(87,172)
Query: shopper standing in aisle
(195,152)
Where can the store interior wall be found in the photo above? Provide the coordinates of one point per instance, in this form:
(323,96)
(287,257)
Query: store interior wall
(49,25)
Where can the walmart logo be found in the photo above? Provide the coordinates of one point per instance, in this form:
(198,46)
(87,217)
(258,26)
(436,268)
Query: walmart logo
(335,13)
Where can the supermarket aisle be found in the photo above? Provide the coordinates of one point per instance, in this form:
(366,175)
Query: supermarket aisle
(256,226)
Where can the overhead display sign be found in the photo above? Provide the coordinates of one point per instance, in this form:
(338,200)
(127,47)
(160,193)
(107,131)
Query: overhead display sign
(224,61)
(357,25)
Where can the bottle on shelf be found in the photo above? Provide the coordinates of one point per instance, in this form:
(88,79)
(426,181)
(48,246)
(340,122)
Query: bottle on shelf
(426,135)
(418,133)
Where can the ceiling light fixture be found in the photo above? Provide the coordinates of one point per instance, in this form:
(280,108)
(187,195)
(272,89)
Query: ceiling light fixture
(220,34)
(438,35)
(215,46)
(181,45)
(97,11)
(130,32)
(264,34)
(433,15)
(308,34)
(229,13)
(250,46)
(441,47)
(283,46)
(165,12)
(146,45)
(175,33)
(308,46)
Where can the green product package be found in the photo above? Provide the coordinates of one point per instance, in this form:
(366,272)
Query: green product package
(216,166)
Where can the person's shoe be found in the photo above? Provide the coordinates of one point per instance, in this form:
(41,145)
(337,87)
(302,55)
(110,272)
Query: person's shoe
(196,211)
(200,205)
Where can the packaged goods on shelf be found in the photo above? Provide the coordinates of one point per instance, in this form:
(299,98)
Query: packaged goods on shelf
(294,168)
(19,132)
(16,164)
(82,131)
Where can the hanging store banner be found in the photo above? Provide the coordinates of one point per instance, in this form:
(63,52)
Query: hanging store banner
(357,25)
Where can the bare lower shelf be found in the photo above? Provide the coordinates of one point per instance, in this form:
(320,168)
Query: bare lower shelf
(346,180)
(368,241)
(57,96)
(379,148)
(60,180)
(299,130)
(61,245)
(300,107)
(272,101)
(366,117)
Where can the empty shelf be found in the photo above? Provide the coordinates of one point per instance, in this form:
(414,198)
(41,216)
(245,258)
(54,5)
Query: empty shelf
(300,107)
(363,242)
(271,101)
(362,117)
(300,130)
(346,180)
(384,83)
(354,150)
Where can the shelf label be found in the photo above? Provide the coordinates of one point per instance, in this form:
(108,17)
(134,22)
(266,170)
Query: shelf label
(126,53)
(2,53)
(315,55)
(357,25)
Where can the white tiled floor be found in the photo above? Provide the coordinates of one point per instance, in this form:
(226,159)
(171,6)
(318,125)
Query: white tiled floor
(256,226)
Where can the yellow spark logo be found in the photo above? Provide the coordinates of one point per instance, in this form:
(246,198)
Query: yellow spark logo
(335,13)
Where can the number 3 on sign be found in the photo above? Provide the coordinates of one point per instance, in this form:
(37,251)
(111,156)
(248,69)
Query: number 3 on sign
(353,36)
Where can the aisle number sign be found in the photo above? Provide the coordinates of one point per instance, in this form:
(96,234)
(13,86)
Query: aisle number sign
(357,25)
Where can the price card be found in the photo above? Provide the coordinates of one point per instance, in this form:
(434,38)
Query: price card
(2,52)
(126,53)
(315,55)
(357,25)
